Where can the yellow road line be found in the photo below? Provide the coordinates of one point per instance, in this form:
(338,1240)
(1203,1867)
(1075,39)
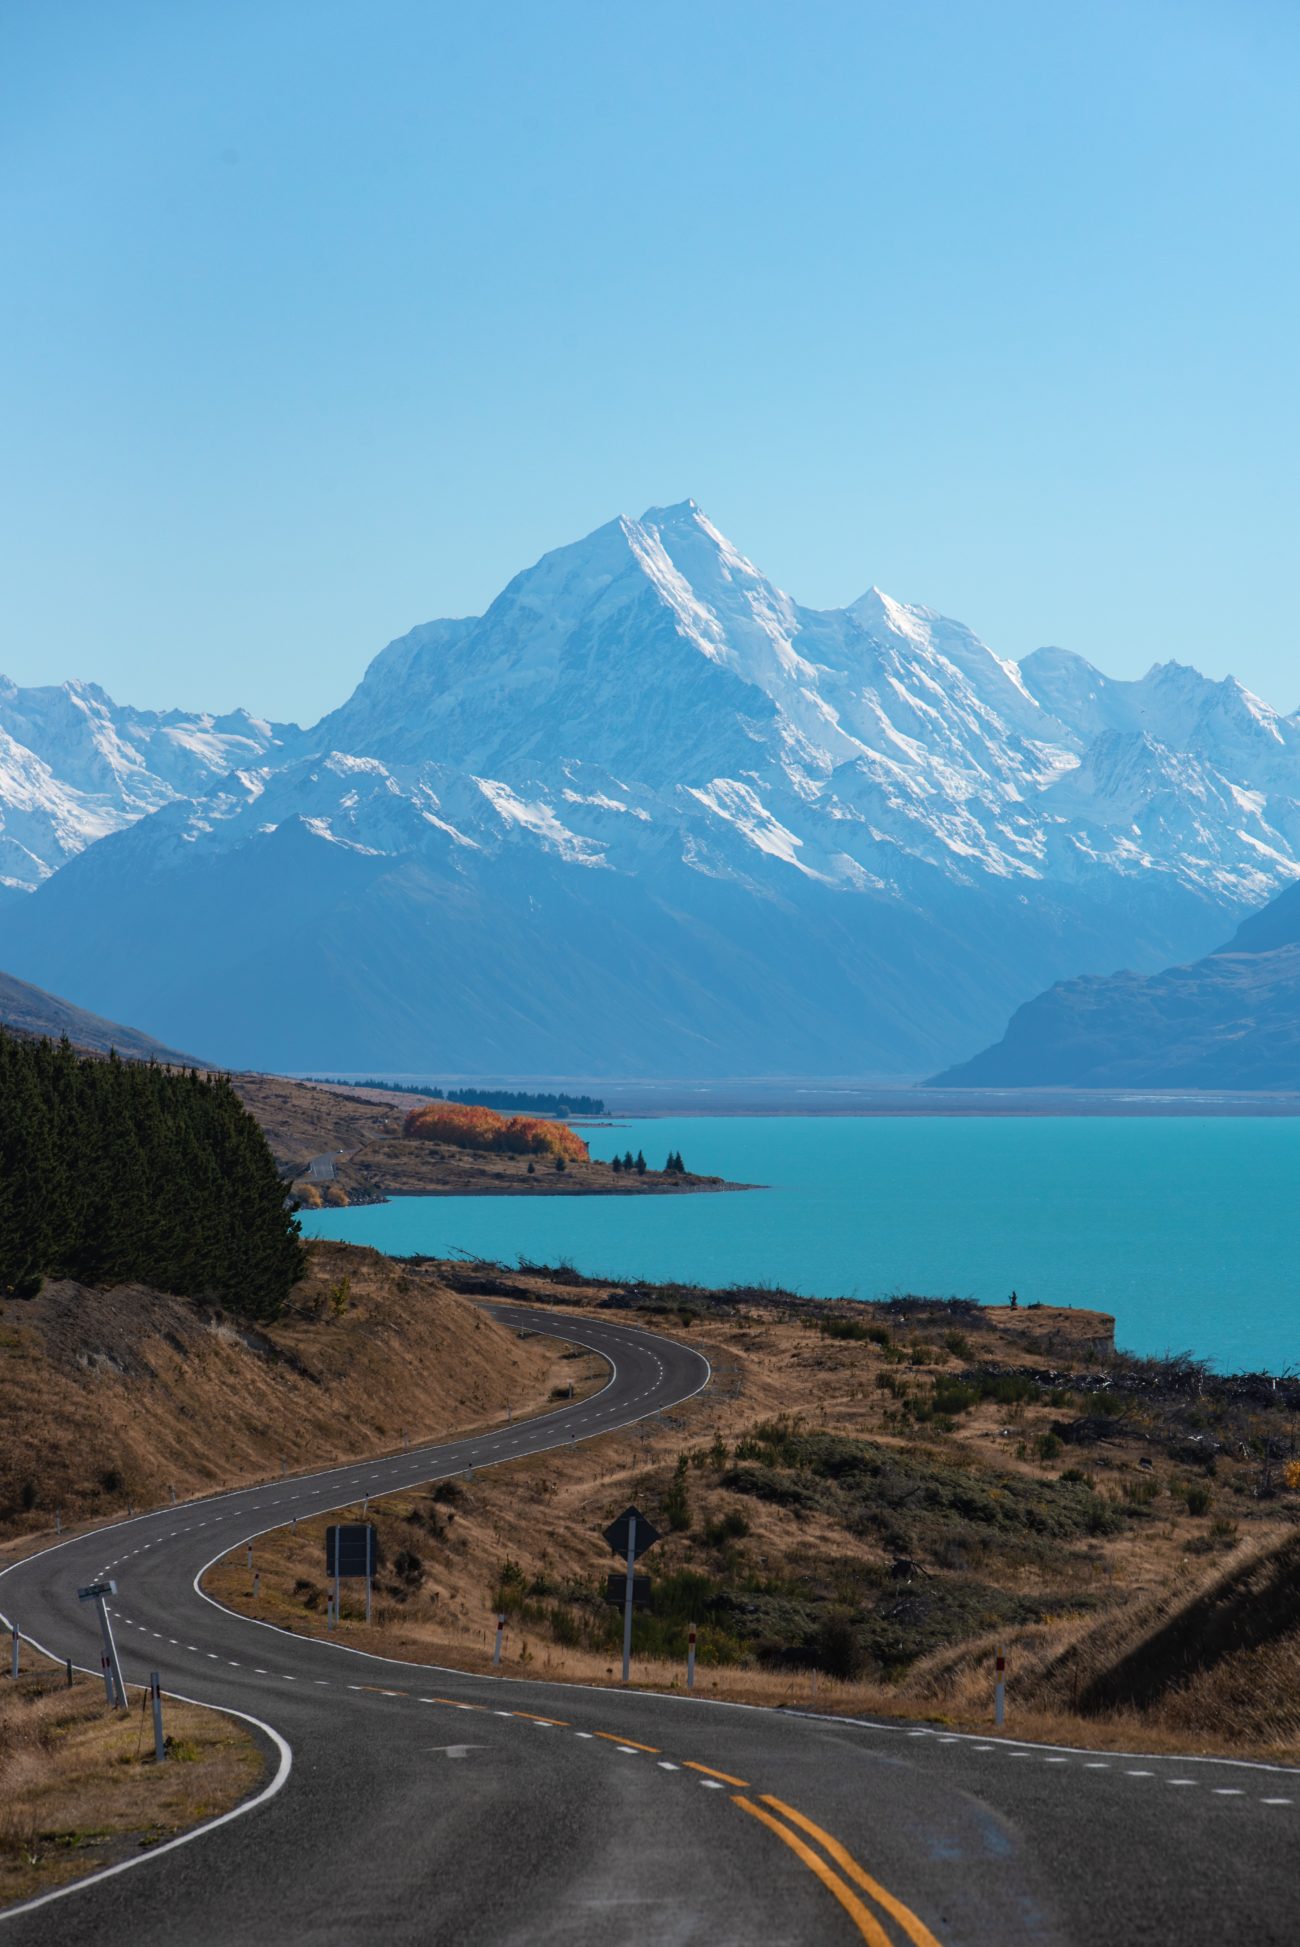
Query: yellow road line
(533,1718)
(725,1776)
(629,1740)
(866,1923)
(916,1930)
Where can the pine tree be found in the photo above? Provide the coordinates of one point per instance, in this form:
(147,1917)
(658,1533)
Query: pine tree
(617,1166)
(116,1172)
(640,1162)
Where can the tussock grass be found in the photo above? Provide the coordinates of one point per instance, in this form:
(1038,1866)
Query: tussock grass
(79,1787)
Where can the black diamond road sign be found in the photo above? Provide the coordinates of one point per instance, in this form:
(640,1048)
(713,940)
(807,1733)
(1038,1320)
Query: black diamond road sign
(617,1533)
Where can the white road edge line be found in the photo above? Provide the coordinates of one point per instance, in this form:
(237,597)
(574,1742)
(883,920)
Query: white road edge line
(263,1797)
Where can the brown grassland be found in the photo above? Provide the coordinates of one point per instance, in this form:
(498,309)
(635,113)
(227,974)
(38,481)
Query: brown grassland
(837,1538)
(110,1399)
(79,1787)
(361,1129)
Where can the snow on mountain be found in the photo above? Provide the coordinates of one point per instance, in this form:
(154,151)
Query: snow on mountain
(845,838)
(75,766)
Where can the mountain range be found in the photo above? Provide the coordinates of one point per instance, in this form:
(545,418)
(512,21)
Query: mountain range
(645,816)
(1228,1021)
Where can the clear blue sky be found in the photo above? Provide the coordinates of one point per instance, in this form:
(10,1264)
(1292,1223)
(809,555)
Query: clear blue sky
(323,317)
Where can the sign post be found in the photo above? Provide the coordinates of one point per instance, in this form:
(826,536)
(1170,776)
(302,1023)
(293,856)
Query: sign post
(159,1741)
(98,1593)
(630,1533)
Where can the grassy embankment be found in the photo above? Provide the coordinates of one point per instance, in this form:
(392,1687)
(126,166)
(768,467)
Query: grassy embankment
(109,1399)
(881,1496)
(79,1787)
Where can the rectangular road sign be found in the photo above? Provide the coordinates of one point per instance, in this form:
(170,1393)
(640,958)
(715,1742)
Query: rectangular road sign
(357,1546)
(616,1590)
(95,1590)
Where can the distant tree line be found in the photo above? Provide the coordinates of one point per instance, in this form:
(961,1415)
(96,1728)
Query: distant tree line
(118,1171)
(488,1098)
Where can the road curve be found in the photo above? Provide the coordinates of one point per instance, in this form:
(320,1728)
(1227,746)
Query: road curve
(422,1805)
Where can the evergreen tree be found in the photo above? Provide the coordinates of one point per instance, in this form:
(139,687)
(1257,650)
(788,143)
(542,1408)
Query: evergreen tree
(617,1166)
(640,1162)
(114,1172)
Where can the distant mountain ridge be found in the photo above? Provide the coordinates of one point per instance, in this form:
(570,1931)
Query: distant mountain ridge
(29,1010)
(1228,1021)
(648,815)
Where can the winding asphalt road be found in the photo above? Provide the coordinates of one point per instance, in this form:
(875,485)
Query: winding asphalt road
(412,1804)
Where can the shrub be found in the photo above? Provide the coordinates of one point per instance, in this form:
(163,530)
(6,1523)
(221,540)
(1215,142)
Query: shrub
(1199,1500)
(731,1526)
(677,1504)
(467,1126)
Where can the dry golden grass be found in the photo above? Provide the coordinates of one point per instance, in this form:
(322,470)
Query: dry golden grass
(110,1398)
(545,1515)
(79,1787)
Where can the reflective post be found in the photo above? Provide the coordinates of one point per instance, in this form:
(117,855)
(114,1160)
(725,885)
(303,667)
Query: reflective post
(627,1598)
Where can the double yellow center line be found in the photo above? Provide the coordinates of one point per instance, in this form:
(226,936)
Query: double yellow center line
(836,1882)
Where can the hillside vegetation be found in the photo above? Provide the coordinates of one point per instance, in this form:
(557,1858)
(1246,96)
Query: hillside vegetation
(864,1506)
(110,1399)
(115,1171)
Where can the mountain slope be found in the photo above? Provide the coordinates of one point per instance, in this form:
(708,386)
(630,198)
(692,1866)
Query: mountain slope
(1229,1021)
(75,766)
(648,815)
(32,1011)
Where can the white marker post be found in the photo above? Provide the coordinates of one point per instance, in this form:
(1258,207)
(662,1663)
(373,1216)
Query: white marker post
(496,1648)
(159,1741)
(690,1659)
(1000,1690)
(17,1639)
(98,1593)
(627,1597)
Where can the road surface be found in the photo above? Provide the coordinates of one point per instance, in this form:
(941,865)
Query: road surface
(408,1804)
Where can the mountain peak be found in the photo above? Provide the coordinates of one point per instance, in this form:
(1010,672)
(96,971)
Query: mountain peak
(675,516)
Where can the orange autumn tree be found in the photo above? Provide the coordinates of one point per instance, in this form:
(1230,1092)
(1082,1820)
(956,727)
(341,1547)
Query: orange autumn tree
(469,1126)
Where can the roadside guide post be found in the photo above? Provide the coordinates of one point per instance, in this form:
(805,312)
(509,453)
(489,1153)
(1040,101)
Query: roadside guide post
(370,1565)
(626,1536)
(690,1659)
(159,1741)
(627,1599)
(1000,1690)
(496,1647)
(14,1671)
(98,1593)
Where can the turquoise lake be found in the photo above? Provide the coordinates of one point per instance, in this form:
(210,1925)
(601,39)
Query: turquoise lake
(1184,1227)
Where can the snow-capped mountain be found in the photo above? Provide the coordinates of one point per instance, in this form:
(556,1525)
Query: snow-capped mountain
(75,766)
(648,814)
